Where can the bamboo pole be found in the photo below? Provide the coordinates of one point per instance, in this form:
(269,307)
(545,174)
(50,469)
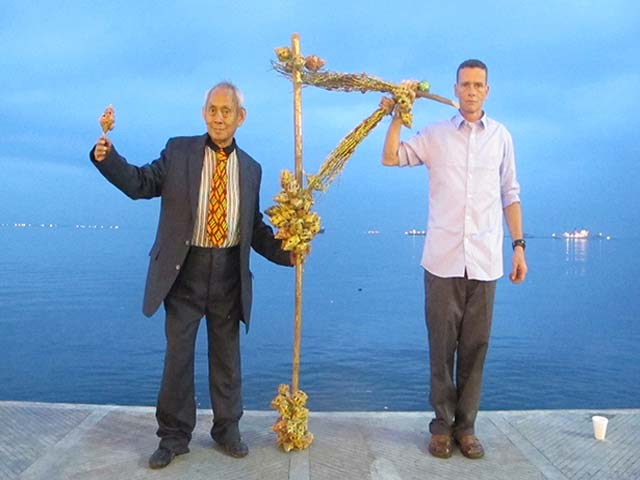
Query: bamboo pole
(298,61)
(292,425)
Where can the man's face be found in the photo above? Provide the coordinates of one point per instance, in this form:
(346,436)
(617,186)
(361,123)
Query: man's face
(472,90)
(222,116)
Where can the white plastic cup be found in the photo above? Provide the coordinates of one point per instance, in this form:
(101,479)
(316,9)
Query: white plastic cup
(599,426)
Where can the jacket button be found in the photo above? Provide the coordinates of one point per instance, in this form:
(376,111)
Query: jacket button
(187,243)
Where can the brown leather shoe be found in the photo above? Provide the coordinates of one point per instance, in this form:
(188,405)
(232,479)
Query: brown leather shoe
(440,446)
(470,447)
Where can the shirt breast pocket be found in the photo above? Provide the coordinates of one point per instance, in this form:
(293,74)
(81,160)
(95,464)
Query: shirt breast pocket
(486,174)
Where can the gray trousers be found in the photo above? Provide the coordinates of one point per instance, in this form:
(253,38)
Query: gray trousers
(208,285)
(458,314)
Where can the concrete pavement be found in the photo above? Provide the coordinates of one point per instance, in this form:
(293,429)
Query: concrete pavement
(64,441)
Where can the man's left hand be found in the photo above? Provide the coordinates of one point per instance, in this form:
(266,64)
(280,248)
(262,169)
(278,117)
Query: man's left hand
(518,266)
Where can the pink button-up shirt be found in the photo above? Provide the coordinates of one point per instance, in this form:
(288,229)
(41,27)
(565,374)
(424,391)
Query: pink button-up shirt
(472,178)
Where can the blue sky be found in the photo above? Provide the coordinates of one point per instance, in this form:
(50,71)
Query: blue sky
(562,74)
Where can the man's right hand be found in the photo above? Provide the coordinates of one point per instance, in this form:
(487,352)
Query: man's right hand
(387,104)
(102,148)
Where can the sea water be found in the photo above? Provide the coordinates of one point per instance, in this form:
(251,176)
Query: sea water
(73,331)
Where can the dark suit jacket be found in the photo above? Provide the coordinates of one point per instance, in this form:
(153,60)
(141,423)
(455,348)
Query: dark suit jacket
(175,177)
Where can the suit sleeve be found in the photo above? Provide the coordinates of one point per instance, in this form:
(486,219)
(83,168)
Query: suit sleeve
(262,239)
(135,182)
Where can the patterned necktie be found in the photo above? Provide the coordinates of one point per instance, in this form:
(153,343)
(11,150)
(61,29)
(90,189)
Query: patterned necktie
(217,216)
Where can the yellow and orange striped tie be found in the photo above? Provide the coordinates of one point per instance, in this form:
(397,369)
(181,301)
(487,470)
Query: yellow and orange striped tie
(217,216)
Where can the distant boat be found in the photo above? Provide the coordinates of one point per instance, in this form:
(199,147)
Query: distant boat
(579,234)
(582,234)
(413,231)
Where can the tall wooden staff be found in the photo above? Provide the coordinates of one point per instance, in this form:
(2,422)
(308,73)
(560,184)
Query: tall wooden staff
(291,426)
(297,135)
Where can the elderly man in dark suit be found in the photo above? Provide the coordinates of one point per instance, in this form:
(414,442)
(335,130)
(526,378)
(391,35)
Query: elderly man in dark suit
(199,264)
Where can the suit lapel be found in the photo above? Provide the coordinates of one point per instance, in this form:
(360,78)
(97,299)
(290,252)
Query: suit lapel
(195,159)
(247,188)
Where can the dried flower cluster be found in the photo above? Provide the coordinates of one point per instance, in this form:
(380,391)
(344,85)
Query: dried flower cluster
(312,63)
(291,427)
(292,215)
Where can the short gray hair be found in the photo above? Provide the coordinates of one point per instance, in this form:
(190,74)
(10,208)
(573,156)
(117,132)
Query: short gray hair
(226,84)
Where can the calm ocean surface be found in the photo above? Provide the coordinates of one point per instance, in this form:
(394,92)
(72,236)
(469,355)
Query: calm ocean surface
(73,331)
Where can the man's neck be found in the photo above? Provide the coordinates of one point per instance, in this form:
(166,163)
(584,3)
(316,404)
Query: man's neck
(228,147)
(472,117)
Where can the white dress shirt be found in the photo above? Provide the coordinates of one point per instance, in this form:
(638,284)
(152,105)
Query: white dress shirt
(472,178)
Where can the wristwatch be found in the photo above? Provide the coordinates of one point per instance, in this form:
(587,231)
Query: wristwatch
(519,242)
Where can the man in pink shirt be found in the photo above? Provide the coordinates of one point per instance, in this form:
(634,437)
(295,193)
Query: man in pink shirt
(472,182)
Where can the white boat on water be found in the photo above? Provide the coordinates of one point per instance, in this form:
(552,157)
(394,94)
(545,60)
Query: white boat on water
(583,233)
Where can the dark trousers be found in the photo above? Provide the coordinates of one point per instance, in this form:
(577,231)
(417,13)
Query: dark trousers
(208,285)
(458,314)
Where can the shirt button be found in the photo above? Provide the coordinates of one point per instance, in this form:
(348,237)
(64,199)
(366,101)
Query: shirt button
(187,243)
(177,267)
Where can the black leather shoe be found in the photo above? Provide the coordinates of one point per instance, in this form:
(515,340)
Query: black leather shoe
(237,448)
(161,458)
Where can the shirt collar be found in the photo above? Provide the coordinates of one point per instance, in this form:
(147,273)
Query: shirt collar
(458,120)
(215,147)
